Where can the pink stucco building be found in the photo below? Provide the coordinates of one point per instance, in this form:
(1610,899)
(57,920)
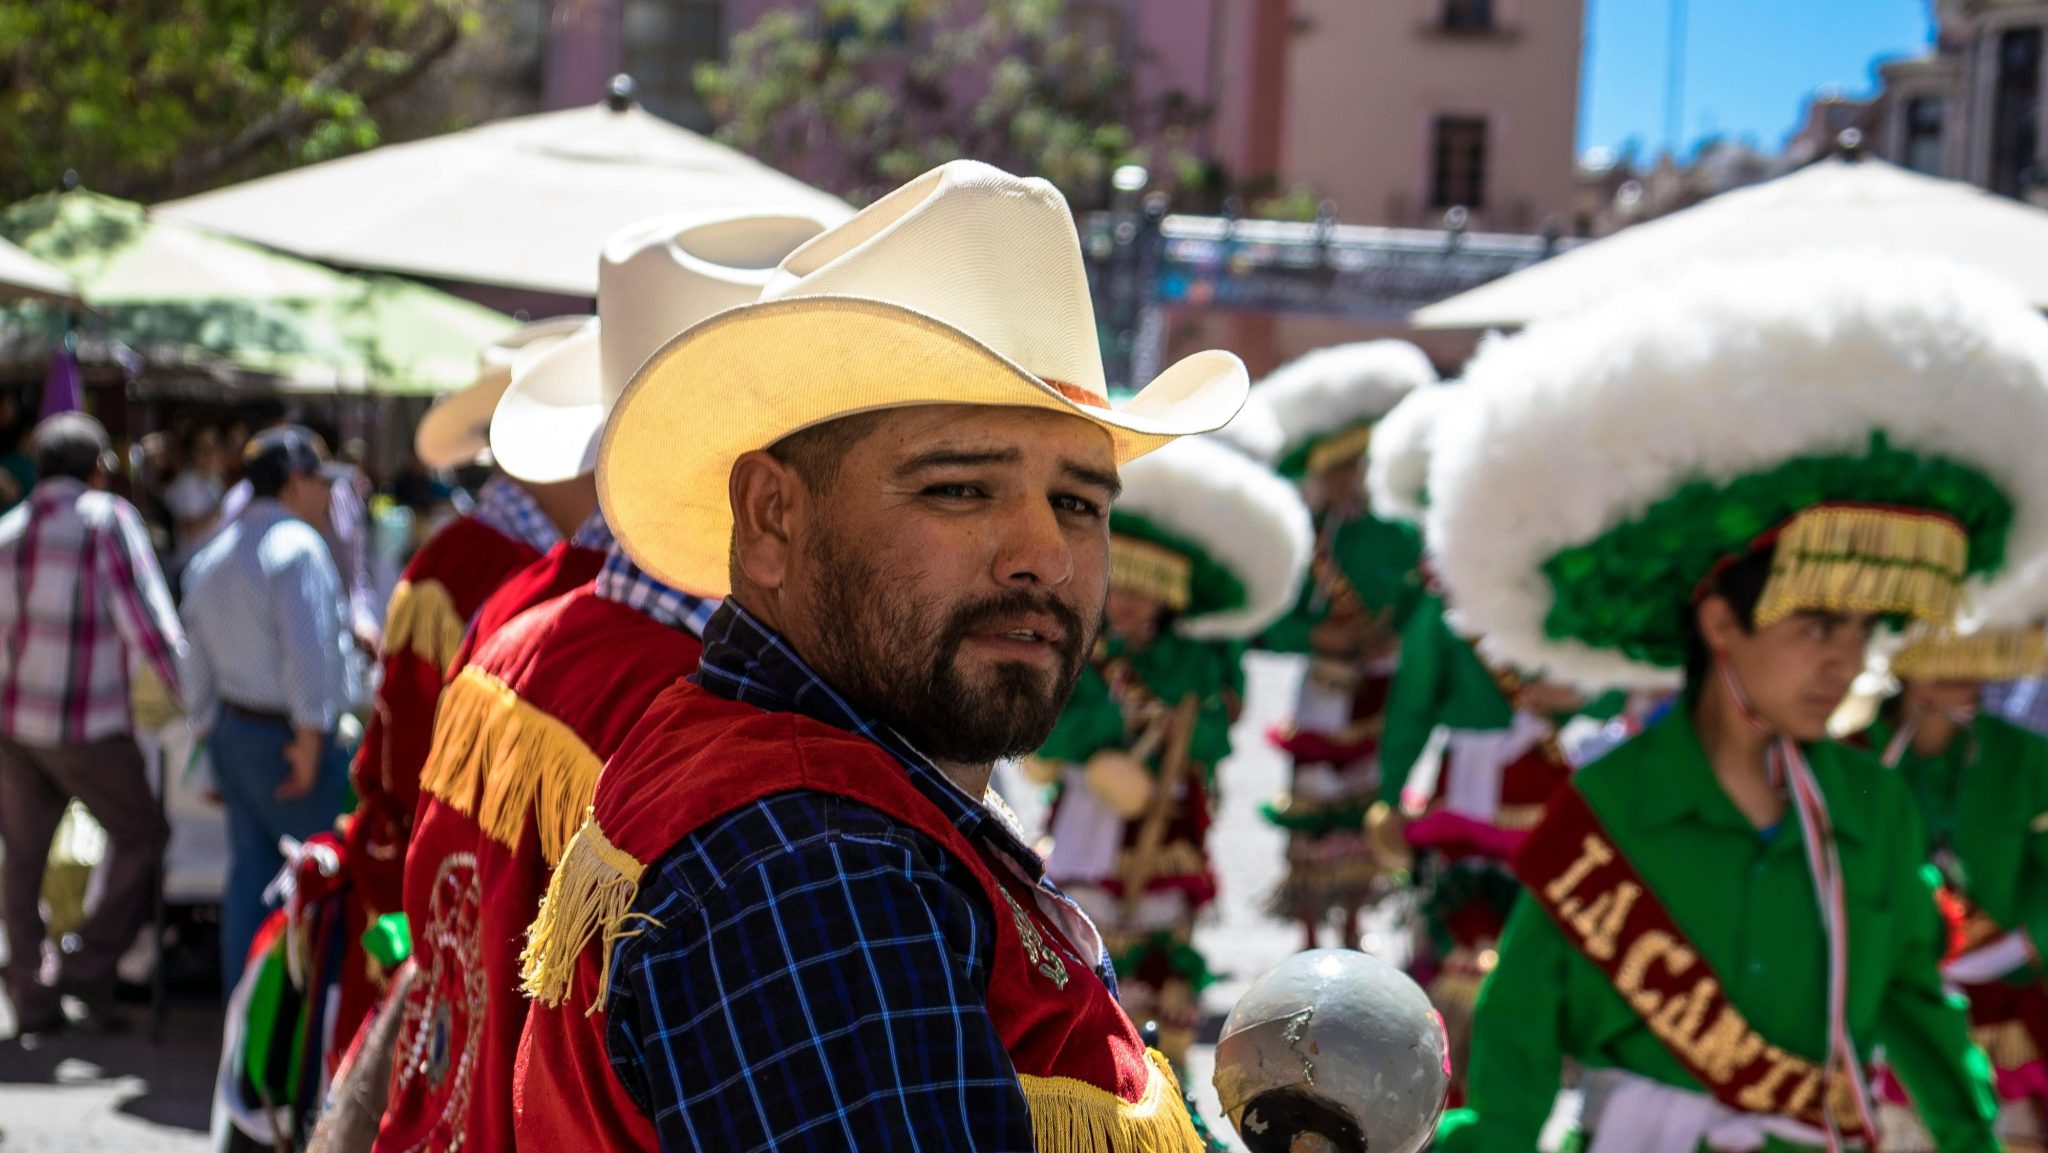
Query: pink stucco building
(1392,112)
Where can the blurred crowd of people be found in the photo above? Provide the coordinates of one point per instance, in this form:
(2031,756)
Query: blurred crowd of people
(174,561)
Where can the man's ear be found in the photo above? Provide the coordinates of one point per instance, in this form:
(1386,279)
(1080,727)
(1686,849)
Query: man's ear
(763,492)
(1719,626)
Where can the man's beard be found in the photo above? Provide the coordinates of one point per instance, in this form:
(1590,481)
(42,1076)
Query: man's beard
(896,658)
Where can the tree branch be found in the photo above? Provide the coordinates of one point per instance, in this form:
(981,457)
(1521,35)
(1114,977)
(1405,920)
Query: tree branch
(292,117)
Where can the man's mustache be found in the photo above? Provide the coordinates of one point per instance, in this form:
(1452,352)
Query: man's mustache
(1074,635)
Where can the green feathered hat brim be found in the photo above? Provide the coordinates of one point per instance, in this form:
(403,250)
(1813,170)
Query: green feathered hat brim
(1878,422)
(1630,589)
(1206,587)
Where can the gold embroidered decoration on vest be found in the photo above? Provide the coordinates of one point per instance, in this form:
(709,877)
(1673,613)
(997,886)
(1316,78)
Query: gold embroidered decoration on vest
(427,1047)
(488,741)
(422,618)
(1043,956)
(1069,1116)
(1605,910)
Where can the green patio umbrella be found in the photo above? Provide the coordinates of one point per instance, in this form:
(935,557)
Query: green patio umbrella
(176,294)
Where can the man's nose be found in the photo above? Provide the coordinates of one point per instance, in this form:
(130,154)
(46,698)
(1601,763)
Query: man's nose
(1032,549)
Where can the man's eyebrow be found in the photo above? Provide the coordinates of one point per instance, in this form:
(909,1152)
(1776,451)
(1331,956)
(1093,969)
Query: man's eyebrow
(957,458)
(1089,474)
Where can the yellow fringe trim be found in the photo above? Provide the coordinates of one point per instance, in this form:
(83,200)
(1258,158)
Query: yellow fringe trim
(488,740)
(1152,570)
(1836,558)
(422,618)
(1990,655)
(588,900)
(1069,1116)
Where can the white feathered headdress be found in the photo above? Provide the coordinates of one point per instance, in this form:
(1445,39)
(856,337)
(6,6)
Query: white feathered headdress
(1397,464)
(1212,533)
(1605,462)
(1338,389)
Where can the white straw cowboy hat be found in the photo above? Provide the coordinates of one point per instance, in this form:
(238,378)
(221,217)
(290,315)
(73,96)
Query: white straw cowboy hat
(457,429)
(655,279)
(964,286)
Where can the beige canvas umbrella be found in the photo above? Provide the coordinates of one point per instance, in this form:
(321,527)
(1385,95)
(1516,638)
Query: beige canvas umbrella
(22,275)
(521,203)
(180,295)
(1837,205)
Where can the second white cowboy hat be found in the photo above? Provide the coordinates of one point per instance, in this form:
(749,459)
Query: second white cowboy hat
(458,428)
(964,286)
(655,279)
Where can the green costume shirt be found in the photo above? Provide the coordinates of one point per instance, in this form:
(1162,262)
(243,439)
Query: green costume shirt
(1382,560)
(1440,681)
(1991,807)
(1172,667)
(1747,903)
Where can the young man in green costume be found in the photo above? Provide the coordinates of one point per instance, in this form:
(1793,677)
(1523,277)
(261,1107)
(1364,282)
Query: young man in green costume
(1206,548)
(1361,588)
(1981,785)
(1731,482)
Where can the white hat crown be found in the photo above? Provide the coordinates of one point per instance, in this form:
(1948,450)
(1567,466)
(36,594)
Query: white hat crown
(659,277)
(655,279)
(993,255)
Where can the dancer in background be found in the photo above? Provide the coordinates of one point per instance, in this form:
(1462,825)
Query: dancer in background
(1733,480)
(1362,586)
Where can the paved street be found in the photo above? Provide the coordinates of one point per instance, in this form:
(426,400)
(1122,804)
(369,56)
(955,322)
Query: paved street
(94,1095)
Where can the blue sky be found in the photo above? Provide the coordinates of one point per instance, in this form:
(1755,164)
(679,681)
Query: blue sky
(1749,64)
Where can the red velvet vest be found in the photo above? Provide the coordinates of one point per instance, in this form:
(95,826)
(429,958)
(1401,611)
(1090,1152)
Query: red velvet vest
(523,732)
(696,757)
(442,587)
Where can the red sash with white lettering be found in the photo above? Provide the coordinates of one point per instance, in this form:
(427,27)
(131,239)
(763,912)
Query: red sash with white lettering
(1574,870)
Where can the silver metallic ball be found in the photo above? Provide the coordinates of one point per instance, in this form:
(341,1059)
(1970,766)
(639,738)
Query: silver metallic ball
(1333,1052)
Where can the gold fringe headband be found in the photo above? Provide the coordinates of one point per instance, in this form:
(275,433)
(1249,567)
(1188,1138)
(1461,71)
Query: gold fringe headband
(1346,446)
(1988,655)
(1857,558)
(1152,570)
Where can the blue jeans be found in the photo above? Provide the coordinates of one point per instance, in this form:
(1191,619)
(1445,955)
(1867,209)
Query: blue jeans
(248,766)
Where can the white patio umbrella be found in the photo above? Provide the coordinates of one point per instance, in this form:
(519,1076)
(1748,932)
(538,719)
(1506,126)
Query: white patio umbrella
(521,203)
(22,275)
(1837,204)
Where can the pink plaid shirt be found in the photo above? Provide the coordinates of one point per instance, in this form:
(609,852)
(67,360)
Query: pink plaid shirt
(80,591)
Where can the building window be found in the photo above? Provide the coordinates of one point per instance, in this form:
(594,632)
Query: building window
(1458,171)
(664,41)
(1467,15)
(2016,112)
(1923,135)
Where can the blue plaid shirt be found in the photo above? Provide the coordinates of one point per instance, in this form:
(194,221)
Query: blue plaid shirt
(814,974)
(628,584)
(505,505)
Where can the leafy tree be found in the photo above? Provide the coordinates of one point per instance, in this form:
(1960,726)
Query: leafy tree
(860,95)
(154,98)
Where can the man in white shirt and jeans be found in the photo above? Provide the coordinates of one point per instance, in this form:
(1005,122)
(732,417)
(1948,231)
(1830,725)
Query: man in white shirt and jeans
(270,678)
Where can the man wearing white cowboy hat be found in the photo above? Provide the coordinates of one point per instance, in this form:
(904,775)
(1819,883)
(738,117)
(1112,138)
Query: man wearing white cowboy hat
(792,919)
(525,725)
